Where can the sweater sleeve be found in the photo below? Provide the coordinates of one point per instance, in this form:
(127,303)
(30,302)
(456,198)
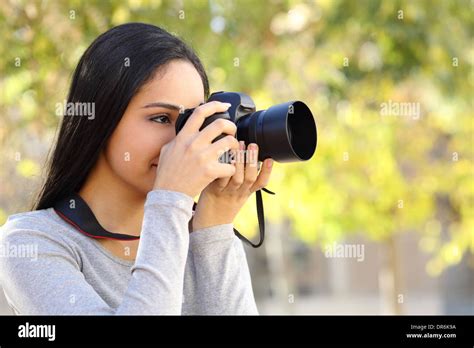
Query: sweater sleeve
(217,277)
(156,284)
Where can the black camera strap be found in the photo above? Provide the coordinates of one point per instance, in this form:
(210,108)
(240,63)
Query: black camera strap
(75,211)
(260,217)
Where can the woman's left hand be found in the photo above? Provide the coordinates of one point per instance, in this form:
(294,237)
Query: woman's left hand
(222,199)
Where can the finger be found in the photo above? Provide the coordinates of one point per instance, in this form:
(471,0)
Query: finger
(263,176)
(195,121)
(223,170)
(223,182)
(238,178)
(251,166)
(216,128)
(221,146)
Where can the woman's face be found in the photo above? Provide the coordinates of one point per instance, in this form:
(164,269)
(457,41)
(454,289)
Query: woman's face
(148,123)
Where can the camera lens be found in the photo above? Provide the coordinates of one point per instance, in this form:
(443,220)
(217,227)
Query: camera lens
(285,132)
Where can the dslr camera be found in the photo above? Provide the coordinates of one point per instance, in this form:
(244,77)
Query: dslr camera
(285,132)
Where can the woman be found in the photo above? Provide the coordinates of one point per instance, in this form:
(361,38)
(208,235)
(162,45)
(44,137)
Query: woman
(139,178)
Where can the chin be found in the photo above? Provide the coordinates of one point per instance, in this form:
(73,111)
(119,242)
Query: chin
(143,183)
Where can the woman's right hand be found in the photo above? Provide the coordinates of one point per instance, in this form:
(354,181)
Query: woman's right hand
(189,162)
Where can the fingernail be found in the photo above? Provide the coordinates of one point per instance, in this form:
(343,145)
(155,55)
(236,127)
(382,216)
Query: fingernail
(269,163)
(241,145)
(228,105)
(253,146)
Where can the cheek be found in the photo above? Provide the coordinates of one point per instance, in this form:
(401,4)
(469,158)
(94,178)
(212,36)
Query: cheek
(132,149)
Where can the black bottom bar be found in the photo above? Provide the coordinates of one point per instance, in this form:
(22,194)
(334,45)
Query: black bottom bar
(291,330)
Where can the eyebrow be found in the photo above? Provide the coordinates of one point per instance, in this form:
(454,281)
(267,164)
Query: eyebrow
(163,105)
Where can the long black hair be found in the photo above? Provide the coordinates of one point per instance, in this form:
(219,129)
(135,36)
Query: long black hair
(109,73)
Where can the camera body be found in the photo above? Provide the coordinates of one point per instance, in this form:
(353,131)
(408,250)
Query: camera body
(284,132)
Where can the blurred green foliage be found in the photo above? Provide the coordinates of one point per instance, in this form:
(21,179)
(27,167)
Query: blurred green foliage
(373,174)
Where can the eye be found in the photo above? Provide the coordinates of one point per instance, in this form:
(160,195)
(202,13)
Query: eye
(161,119)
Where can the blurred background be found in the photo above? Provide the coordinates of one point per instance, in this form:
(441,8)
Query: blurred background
(381,219)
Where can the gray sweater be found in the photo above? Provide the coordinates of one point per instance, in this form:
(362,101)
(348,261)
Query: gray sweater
(48,267)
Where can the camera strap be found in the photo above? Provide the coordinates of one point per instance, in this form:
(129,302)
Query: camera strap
(260,217)
(75,211)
